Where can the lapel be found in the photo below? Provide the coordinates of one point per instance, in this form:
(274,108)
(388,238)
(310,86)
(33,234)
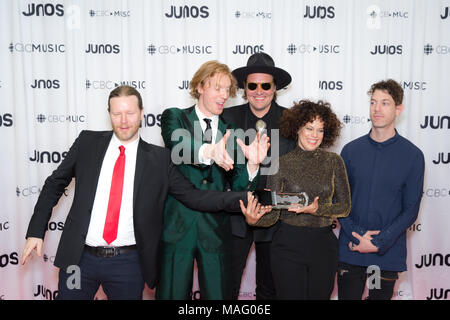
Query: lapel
(98,156)
(139,170)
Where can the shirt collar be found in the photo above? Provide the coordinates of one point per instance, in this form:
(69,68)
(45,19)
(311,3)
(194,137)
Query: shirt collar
(129,146)
(384,143)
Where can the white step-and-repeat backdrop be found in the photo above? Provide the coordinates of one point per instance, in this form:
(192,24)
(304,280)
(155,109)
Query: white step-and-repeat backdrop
(59,59)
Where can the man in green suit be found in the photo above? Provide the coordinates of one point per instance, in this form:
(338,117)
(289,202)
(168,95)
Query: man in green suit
(199,139)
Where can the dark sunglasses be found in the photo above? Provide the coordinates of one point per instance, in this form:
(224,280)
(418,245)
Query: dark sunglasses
(253,85)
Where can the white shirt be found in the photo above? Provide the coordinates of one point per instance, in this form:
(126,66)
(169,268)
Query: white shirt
(125,233)
(214,130)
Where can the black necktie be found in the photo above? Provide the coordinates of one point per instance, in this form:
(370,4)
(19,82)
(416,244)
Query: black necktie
(207,135)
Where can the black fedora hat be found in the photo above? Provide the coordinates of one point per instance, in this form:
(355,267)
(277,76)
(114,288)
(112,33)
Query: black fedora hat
(262,63)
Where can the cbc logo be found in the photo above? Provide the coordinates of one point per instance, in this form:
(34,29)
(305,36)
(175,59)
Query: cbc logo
(437,192)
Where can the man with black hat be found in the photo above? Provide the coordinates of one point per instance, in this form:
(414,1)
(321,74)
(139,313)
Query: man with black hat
(260,80)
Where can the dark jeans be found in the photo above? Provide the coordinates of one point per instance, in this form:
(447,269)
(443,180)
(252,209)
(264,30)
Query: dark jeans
(120,277)
(352,280)
(265,289)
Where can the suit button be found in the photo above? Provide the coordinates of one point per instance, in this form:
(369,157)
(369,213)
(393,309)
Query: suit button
(204,181)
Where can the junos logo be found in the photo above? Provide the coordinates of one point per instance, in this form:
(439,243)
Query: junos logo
(331,85)
(9,258)
(319,12)
(48,156)
(103,48)
(440,122)
(47,9)
(445,14)
(47,294)
(387,49)
(438,294)
(441,158)
(184,85)
(182,12)
(151,120)
(248,49)
(45,84)
(433,260)
(6,120)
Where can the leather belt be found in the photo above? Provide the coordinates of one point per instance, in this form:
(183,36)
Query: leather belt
(108,252)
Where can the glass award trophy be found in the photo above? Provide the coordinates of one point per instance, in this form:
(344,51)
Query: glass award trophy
(282,200)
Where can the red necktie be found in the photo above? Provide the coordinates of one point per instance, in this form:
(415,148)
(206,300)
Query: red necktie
(115,199)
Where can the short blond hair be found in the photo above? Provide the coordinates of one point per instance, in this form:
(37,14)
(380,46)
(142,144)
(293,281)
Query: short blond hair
(208,70)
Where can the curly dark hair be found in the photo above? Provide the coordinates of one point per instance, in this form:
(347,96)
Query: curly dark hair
(307,111)
(393,88)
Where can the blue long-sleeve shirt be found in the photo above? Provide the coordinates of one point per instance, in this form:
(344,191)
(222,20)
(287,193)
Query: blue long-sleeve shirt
(386,183)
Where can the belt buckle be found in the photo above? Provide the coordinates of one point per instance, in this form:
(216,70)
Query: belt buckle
(108,252)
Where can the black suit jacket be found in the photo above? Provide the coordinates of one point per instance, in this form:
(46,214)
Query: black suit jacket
(241,116)
(155,177)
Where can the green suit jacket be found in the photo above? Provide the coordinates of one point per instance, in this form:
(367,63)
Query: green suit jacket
(182,134)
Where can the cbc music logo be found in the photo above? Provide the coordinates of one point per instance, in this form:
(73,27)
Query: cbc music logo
(27,191)
(387,49)
(60,118)
(6,120)
(184,49)
(319,12)
(439,122)
(446,13)
(437,192)
(351,119)
(248,49)
(109,84)
(239,14)
(36,47)
(375,14)
(428,49)
(109,13)
(47,9)
(103,48)
(183,12)
(313,48)
(414,85)
(4,225)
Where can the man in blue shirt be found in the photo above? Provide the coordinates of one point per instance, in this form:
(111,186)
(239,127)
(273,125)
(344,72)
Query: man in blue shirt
(385,173)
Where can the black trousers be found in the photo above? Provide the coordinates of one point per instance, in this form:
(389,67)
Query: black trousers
(304,262)
(352,280)
(265,289)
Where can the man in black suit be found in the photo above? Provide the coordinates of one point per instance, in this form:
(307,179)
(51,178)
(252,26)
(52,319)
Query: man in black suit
(260,80)
(112,231)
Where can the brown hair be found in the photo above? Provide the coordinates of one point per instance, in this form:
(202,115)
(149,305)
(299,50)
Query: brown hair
(125,91)
(393,88)
(208,70)
(307,111)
